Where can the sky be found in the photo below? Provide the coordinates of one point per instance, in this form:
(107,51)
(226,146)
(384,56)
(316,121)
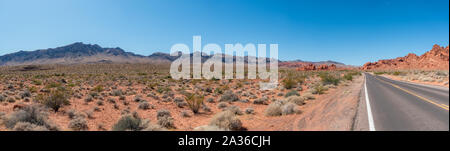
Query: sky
(348,31)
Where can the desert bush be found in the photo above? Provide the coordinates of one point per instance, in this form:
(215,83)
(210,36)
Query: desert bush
(326,79)
(78,124)
(111,100)
(292,93)
(288,83)
(144,105)
(98,88)
(10,100)
(318,89)
(25,94)
(166,122)
(194,102)
(288,108)
(249,110)
(308,96)
(100,103)
(88,99)
(227,120)
(130,122)
(2,98)
(274,109)
(33,114)
(55,99)
(222,105)
(26,126)
(262,100)
(229,96)
(210,100)
(116,93)
(296,100)
(163,112)
(234,109)
(185,114)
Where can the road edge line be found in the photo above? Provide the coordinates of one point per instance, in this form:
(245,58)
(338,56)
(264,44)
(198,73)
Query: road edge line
(369,110)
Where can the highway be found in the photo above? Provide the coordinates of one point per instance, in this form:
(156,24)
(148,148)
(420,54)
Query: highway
(402,106)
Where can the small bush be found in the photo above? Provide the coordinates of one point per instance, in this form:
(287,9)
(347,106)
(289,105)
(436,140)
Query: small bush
(229,96)
(273,109)
(296,100)
(234,109)
(129,123)
(55,99)
(194,102)
(227,120)
(288,83)
(33,114)
(25,126)
(154,127)
(222,105)
(167,122)
(329,79)
(78,124)
(144,105)
(249,110)
(292,93)
(262,101)
(288,108)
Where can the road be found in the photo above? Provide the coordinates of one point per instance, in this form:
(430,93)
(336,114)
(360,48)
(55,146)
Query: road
(401,106)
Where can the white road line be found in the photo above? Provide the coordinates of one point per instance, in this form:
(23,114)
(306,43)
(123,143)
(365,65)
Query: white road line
(369,110)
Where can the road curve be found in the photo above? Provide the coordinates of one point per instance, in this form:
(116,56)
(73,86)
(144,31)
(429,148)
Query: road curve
(402,106)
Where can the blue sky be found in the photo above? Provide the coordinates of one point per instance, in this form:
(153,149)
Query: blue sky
(348,31)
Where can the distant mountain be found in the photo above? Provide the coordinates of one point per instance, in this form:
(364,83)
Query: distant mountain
(72,54)
(435,59)
(79,53)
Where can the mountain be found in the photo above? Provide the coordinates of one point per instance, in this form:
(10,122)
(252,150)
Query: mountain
(79,53)
(72,54)
(435,59)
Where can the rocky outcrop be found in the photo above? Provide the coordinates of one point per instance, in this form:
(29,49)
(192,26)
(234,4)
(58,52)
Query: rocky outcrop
(435,59)
(312,67)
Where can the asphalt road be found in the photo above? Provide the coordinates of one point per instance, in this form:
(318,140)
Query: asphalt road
(403,106)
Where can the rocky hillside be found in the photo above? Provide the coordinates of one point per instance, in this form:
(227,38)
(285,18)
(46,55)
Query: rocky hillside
(435,59)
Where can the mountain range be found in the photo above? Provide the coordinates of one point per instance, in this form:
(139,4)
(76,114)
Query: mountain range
(80,53)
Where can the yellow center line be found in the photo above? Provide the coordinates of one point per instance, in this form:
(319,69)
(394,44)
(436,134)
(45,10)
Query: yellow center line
(420,97)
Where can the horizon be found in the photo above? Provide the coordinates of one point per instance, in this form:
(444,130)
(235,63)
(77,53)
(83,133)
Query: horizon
(350,32)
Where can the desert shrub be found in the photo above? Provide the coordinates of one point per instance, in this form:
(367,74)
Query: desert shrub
(292,93)
(10,100)
(318,89)
(138,98)
(99,102)
(308,96)
(274,109)
(2,98)
(234,109)
(328,79)
(348,77)
(296,100)
(249,110)
(122,97)
(210,100)
(288,83)
(25,126)
(208,128)
(78,124)
(73,114)
(161,113)
(222,105)
(166,121)
(88,99)
(227,120)
(55,99)
(98,88)
(116,93)
(194,102)
(111,100)
(229,96)
(25,94)
(33,114)
(144,105)
(262,100)
(288,108)
(130,122)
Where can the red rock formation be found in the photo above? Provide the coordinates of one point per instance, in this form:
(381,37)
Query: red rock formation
(435,59)
(312,67)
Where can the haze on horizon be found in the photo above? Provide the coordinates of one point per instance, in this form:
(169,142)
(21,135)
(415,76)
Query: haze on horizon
(350,31)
